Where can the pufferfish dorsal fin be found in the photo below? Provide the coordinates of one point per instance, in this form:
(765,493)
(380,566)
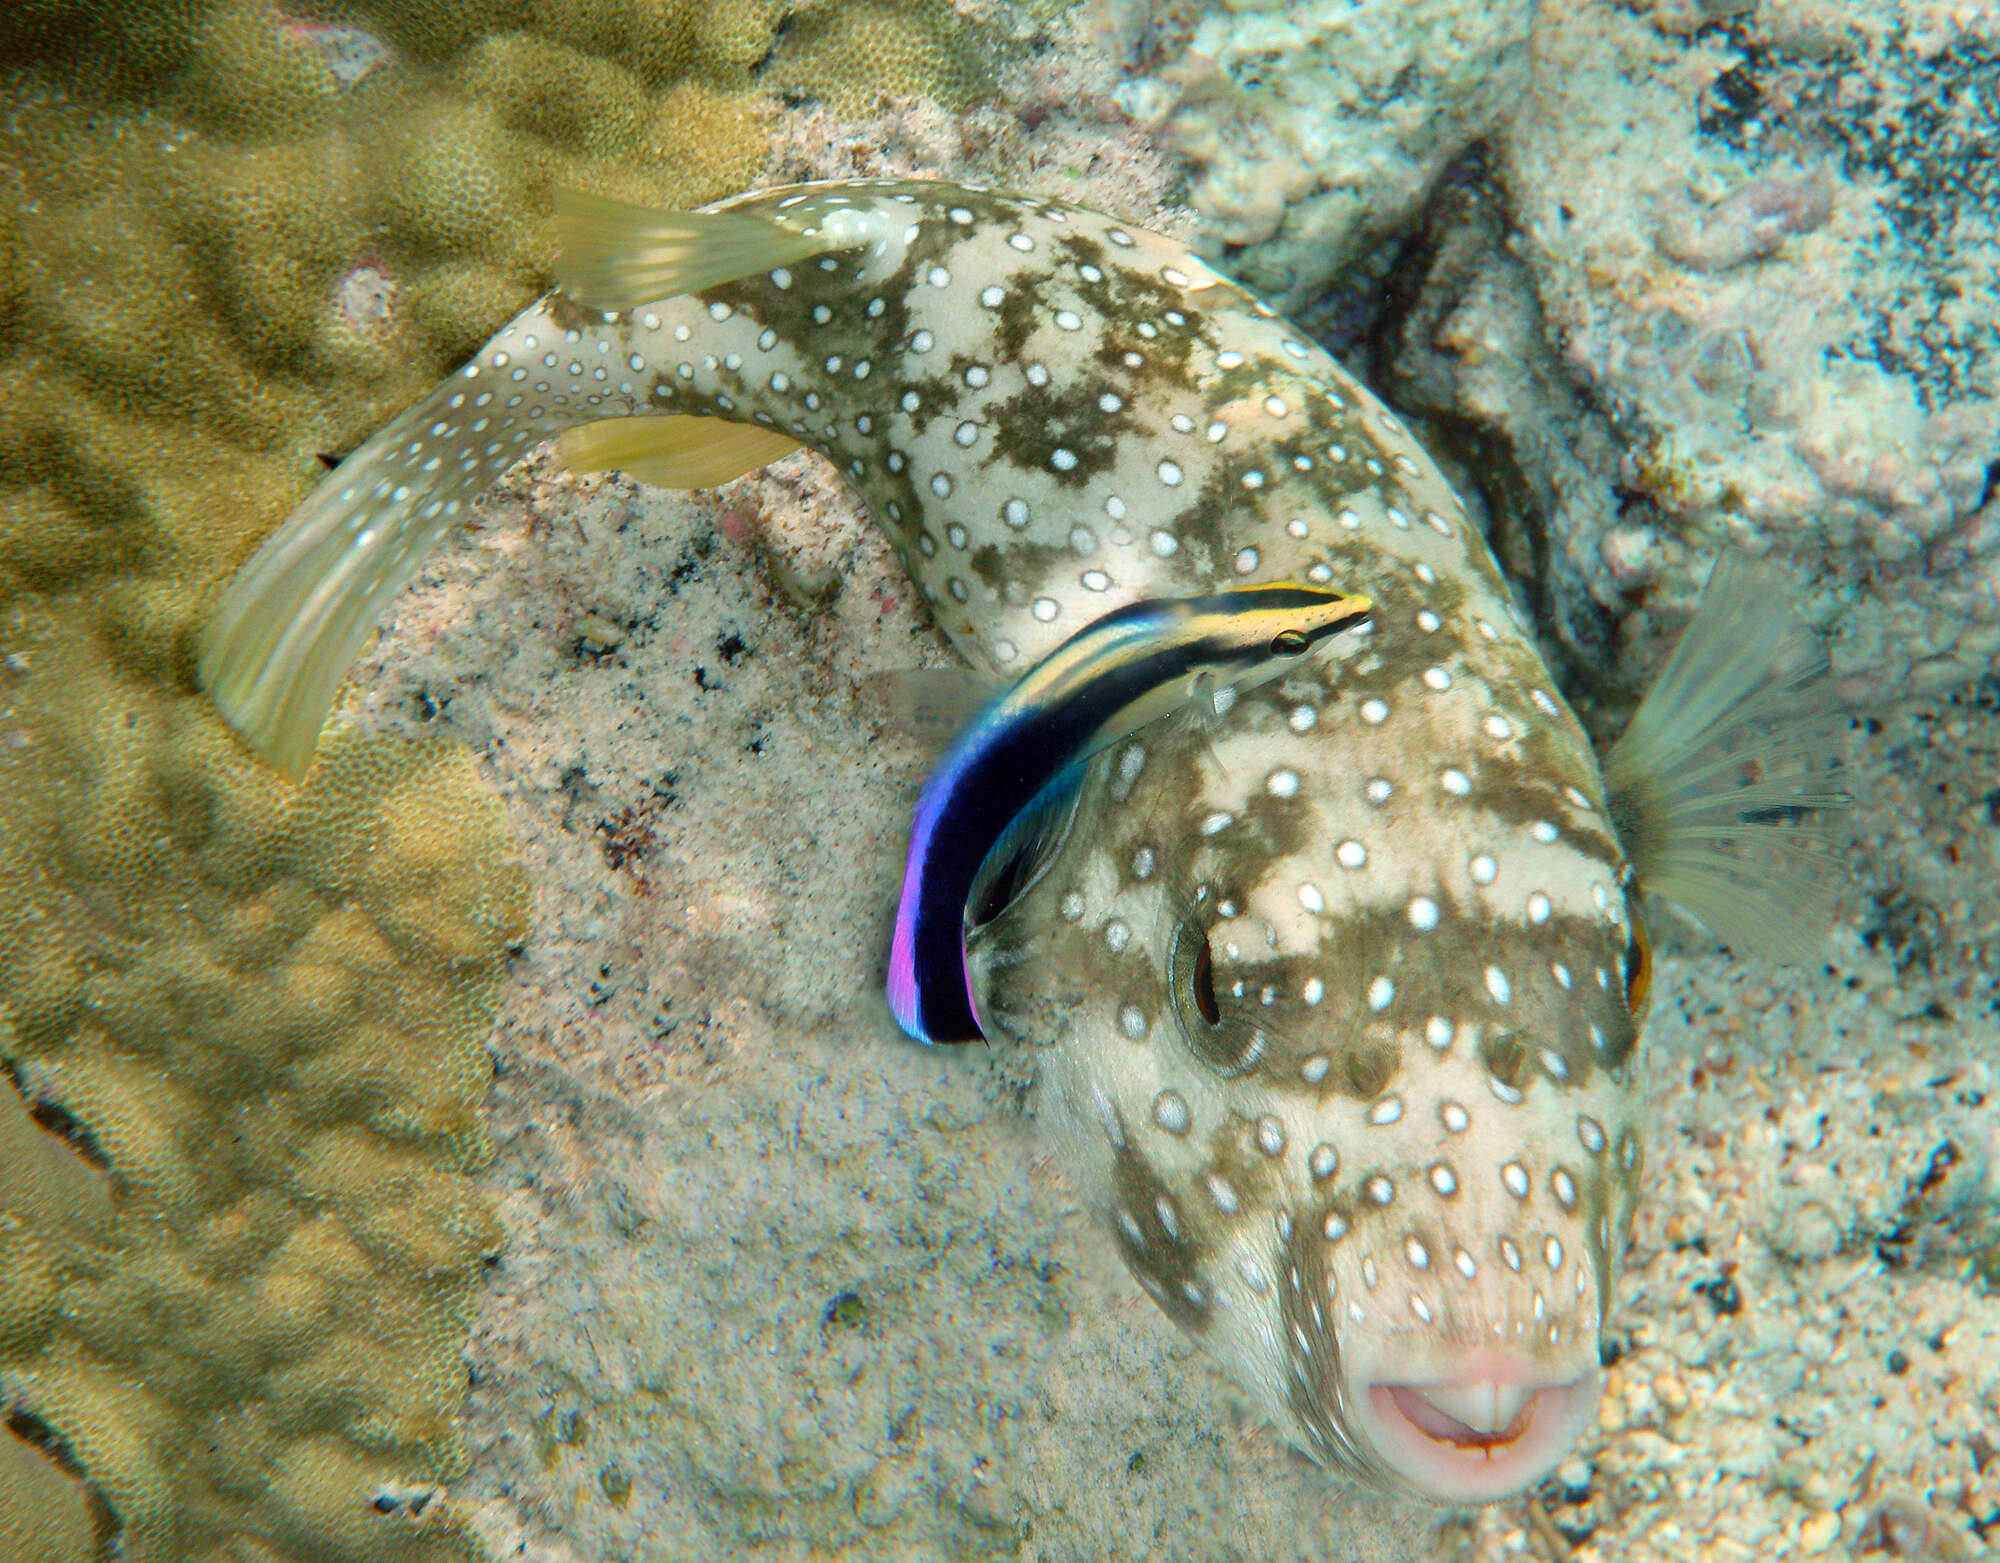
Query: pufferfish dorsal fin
(673,450)
(616,256)
(1720,785)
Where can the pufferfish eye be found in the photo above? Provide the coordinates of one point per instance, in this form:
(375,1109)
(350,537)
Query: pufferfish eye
(1638,969)
(1201,983)
(1225,1037)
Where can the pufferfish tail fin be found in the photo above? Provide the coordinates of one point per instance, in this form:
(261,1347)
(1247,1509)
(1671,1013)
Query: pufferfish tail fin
(289,625)
(1720,785)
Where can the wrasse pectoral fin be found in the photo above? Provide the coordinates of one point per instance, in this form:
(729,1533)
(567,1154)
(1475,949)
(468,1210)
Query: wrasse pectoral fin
(1025,850)
(614,255)
(673,450)
(1720,784)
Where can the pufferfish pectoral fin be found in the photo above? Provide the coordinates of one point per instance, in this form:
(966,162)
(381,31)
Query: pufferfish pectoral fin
(1720,785)
(616,256)
(673,450)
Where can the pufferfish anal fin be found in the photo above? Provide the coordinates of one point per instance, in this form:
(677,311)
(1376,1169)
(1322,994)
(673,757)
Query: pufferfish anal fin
(673,450)
(616,256)
(1720,786)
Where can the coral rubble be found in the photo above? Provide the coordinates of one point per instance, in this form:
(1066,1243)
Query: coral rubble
(1315,131)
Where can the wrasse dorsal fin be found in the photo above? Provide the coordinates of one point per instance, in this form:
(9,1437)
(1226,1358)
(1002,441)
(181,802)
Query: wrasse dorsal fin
(614,255)
(932,706)
(673,450)
(1721,785)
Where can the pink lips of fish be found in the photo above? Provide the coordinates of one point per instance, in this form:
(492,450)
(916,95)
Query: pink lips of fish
(1496,1426)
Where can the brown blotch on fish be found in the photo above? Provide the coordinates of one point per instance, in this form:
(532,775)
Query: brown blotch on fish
(1038,421)
(1159,1238)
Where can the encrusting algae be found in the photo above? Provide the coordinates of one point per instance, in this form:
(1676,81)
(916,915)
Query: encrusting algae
(1336,995)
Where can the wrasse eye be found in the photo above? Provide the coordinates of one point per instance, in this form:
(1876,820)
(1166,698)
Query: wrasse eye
(1638,970)
(1289,643)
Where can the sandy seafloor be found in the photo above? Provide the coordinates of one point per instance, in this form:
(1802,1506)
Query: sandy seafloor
(779,1284)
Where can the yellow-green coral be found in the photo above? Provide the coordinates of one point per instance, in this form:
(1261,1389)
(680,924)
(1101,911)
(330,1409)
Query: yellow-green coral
(45,1515)
(235,237)
(264,1012)
(855,53)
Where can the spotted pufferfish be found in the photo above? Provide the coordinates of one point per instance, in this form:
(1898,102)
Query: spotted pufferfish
(1335,992)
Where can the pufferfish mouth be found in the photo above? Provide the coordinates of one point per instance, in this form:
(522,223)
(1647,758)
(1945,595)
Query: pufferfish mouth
(1495,1426)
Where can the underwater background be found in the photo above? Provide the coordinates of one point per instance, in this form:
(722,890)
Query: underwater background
(497,1145)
